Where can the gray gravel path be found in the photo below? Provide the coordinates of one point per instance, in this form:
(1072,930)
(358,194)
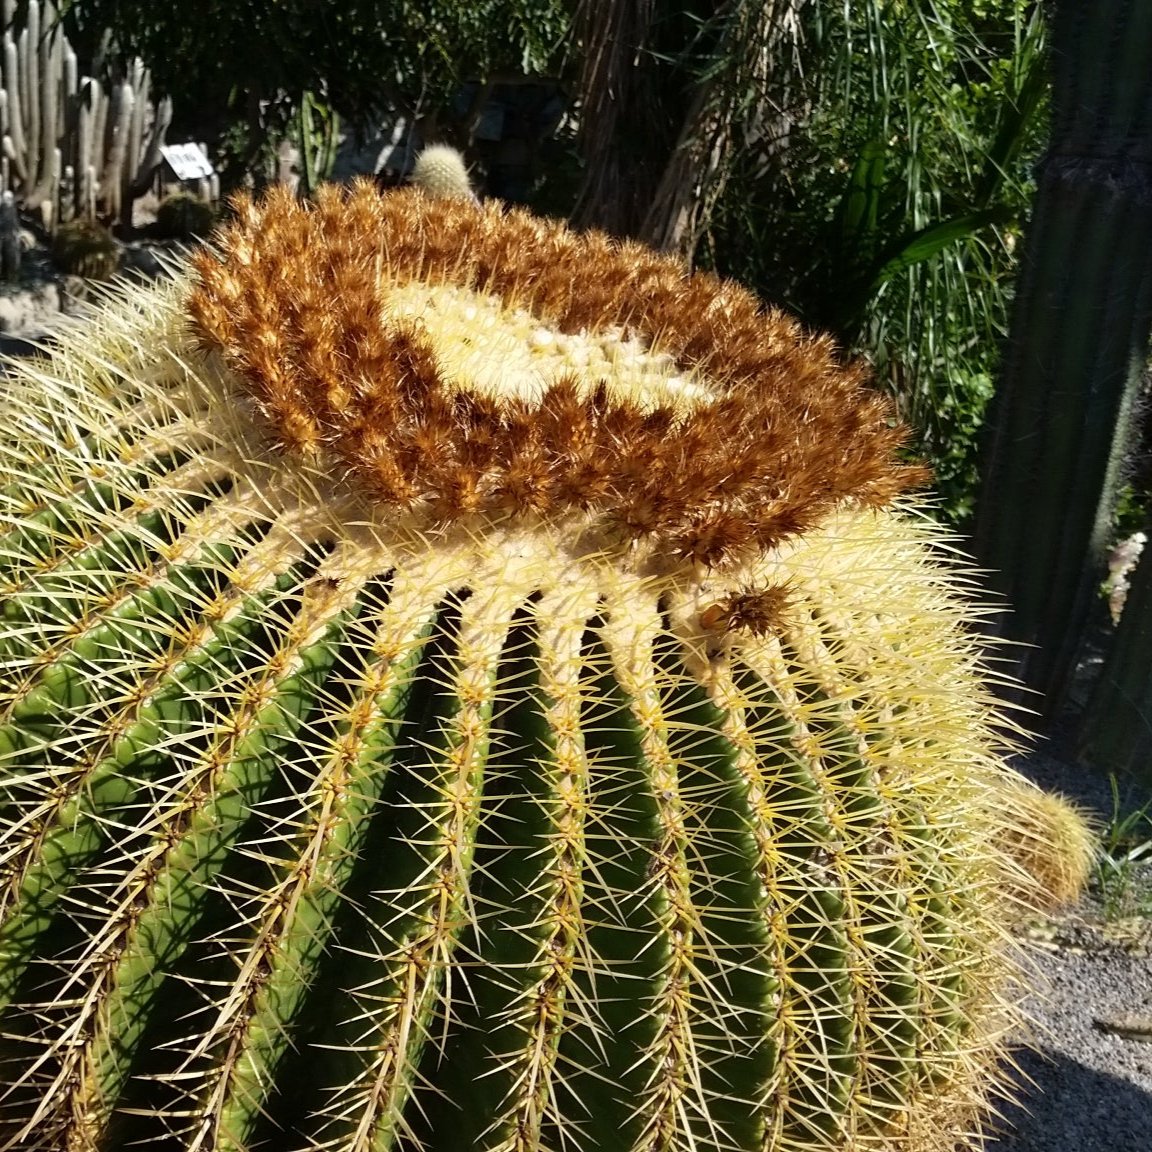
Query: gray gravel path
(1091,1085)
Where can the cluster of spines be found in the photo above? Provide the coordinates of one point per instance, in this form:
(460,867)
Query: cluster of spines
(634,756)
(295,298)
(189,699)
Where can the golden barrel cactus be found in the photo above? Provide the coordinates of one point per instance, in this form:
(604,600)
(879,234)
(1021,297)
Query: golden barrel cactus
(469,685)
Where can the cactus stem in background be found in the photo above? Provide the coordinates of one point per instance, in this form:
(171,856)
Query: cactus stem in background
(55,120)
(9,238)
(1060,424)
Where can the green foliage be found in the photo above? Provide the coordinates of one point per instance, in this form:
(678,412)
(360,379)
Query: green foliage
(248,75)
(367,58)
(891,210)
(1122,878)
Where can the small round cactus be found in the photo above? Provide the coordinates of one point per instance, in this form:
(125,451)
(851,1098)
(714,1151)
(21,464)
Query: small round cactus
(86,248)
(469,685)
(182,216)
(440,171)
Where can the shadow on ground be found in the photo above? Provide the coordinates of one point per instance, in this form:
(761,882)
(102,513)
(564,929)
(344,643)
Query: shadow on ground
(1072,1108)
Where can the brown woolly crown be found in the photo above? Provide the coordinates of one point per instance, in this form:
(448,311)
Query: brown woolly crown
(460,359)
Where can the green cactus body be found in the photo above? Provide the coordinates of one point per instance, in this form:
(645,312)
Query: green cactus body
(1063,422)
(333,819)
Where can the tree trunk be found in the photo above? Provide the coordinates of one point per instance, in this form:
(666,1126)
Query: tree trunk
(669,96)
(624,124)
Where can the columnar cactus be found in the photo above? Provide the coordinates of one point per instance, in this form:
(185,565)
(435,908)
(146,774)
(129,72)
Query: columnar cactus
(469,685)
(1062,421)
(9,238)
(64,154)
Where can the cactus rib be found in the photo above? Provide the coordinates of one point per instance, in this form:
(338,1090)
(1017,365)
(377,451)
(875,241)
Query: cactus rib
(71,813)
(158,902)
(284,957)
(672,1093)
(436,904)
(538,872)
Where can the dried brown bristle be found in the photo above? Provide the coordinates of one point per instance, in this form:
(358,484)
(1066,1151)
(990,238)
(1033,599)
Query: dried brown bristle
(466,359)
(755,610)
